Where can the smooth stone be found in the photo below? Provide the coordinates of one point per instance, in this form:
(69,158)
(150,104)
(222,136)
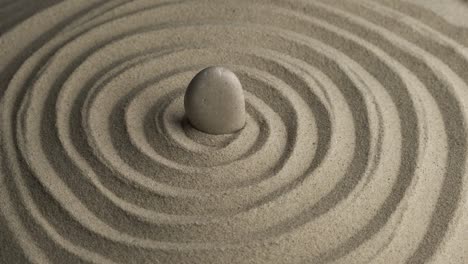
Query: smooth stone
(214,101)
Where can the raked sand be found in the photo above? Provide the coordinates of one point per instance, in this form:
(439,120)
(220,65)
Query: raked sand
(354,150)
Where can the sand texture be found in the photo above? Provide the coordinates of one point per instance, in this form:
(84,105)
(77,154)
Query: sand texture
(354,148)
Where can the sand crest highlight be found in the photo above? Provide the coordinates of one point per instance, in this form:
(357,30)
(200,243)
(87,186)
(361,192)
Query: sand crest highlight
(354,148)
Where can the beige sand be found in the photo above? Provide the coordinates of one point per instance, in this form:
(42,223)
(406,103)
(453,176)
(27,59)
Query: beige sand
(354,149)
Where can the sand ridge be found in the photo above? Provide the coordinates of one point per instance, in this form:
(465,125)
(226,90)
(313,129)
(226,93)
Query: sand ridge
(354,149)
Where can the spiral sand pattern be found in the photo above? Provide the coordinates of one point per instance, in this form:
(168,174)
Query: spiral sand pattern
(355,148)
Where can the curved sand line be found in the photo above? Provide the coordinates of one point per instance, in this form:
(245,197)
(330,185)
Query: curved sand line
(354,149)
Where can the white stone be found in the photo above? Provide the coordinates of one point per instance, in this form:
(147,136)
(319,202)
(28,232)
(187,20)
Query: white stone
(214,101)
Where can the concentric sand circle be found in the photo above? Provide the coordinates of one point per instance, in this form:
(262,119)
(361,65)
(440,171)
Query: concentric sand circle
(353,151)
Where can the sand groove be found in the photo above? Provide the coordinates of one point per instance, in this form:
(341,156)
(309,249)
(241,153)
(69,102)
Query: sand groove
(354,149)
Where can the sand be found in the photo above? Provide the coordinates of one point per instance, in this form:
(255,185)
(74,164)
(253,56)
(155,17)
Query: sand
(354,148)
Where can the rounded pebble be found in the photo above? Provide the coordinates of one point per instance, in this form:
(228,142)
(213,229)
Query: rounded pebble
(214,101)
